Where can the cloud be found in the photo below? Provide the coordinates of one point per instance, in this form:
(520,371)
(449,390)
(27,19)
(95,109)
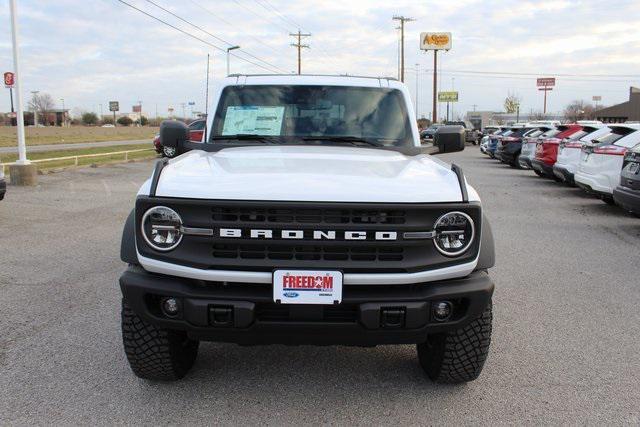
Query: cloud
(93,52)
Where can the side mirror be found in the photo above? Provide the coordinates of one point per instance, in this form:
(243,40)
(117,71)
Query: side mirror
(449,139)
(174,134)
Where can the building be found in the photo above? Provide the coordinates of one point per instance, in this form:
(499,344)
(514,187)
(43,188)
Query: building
(480,119)
(625,112)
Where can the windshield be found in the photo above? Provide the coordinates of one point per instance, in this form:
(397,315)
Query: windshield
(615,134)
(295,113)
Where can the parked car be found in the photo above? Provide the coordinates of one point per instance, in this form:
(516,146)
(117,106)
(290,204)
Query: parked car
(547,150)
(428,133)
(494,138)
(196,133)
(470,132)
(627,194)
(570,148)
(601,163)
(509,148)
(3,184)
(528,151)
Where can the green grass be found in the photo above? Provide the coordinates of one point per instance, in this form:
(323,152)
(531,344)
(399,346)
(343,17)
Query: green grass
(74,134)
(9,158)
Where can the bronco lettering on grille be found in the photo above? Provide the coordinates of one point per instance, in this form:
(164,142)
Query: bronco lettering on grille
(310,234)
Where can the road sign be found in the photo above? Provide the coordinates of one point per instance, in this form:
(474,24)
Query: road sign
(114,106)
(450,96)
(596,98)
(12,115)
(9,79)
(435,41)
(546,81)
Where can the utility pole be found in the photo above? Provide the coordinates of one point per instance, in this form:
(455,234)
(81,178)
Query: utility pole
(64,116)
(101,118)
(402,20)
(474,107)
(398,52)
(140,114)
(417,72)
(435,87)
(299,35)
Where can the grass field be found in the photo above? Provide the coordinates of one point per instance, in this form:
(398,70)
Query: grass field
(9,158)
(74,134)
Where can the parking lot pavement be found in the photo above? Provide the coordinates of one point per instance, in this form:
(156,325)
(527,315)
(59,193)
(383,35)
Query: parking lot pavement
(566,322)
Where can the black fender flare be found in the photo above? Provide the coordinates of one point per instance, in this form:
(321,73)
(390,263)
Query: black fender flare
(487,257)
(128,251)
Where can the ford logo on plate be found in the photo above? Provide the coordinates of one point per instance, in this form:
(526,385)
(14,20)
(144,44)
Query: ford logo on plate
(291,294)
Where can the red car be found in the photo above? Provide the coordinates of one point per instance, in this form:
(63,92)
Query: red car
(547,150)
(196,132)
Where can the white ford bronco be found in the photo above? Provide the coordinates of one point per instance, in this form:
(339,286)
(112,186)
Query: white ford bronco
(308,214)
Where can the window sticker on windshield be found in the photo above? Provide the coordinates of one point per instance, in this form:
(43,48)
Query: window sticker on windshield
(255,120)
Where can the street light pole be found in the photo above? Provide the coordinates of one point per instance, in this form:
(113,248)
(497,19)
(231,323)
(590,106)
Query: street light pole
(64,116)
(229,49)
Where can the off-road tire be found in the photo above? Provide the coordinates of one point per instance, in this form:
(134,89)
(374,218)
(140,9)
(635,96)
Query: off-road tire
(154,353)
(457,356)
(608,200)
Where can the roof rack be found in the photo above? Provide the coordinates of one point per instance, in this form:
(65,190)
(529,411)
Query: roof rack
(312,75)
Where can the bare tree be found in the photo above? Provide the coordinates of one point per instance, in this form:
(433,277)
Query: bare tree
(512,103)
(579,110)
(42,104)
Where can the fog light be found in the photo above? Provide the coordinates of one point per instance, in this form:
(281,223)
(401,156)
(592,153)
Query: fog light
(170,307)
(442,310)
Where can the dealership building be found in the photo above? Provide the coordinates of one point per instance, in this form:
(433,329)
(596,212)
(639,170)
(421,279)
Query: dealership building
(625,112)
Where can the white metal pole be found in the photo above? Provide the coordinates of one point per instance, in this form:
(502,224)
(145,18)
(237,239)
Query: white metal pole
(228,67)
(22,148)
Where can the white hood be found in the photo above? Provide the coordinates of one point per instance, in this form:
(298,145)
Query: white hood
(309,173)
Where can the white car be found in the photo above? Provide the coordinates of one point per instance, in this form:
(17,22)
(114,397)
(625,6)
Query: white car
(601,164)
(309,215)
(570,149)
(528,150)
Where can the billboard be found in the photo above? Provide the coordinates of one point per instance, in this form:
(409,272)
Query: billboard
(546,81)
(435,41)
(114,106)
(137,108)
(450,96)
(596,98)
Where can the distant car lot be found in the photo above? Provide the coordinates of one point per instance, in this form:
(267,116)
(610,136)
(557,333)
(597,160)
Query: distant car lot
(564,348)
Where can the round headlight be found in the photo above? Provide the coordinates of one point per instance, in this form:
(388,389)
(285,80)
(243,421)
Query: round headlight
(161,228)
(454,232)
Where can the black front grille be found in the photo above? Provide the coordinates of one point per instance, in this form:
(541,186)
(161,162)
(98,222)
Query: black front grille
(223,251)
(311,248)
(307,216)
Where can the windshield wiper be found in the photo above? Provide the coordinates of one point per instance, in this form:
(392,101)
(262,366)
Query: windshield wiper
(349,139)
(246,137)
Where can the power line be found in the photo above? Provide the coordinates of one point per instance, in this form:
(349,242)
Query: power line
(210,34)
(263,17)
(235,25)
(191,35)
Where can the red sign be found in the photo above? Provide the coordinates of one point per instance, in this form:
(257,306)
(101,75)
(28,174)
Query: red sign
(9,79)
(137,108)
(546,81)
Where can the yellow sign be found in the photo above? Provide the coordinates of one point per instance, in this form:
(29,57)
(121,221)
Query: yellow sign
(447,96)
(435,41)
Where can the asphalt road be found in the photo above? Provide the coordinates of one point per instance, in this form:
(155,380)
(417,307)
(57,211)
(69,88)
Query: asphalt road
(75,146)
(565,344)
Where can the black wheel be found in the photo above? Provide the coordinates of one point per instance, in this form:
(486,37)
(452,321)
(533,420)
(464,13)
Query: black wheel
(154,353)
(538,173)
(169,152)
(609,200)
(457,356)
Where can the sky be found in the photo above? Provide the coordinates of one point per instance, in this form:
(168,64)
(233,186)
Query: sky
(92,52)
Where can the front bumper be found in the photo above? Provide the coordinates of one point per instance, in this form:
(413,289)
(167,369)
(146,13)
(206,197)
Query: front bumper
(246,313)
(563,173)
(591,185)
(542,167)
(628,198)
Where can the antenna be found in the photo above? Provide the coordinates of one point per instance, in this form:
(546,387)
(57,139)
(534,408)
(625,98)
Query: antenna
(206,103)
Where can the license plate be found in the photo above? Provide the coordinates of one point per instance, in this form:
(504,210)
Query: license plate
(307,287)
